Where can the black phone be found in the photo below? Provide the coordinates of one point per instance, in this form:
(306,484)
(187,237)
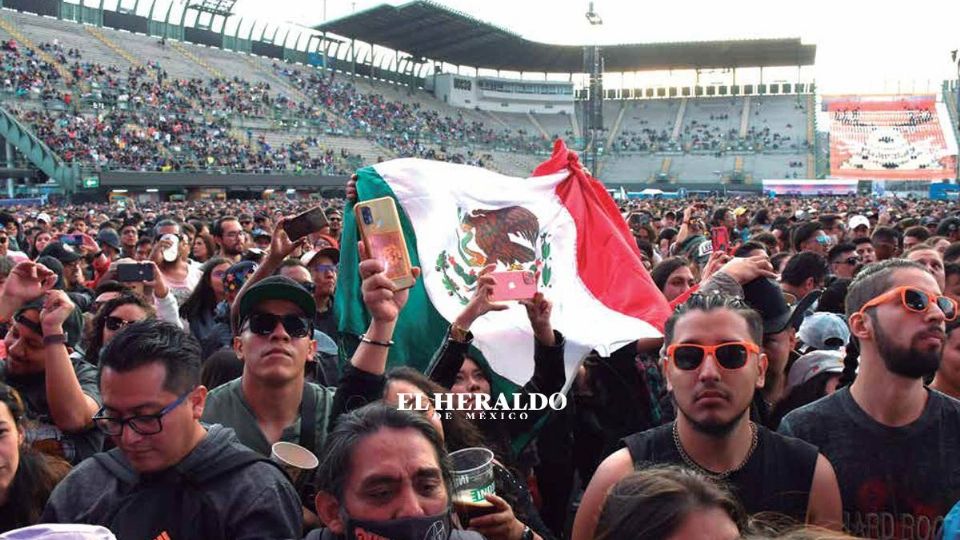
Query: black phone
(134,272)
(306,223)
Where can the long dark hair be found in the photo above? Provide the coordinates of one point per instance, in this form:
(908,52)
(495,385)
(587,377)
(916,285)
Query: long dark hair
(661,272)
(35,477)
(95,329)
(203,299)
(800,395)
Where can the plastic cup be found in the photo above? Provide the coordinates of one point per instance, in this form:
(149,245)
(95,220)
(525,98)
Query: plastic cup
(294,459)
(473,480)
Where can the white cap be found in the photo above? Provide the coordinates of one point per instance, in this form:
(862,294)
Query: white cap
(59,531)
(812,364)
(43,216)
(858,220)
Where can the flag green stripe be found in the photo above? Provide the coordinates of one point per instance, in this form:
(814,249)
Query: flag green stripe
(420,329)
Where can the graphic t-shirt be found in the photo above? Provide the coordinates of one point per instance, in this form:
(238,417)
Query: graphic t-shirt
(896,482)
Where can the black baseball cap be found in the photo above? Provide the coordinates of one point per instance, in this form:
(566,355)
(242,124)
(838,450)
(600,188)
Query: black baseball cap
(766,298)
(274,288)
(60,252)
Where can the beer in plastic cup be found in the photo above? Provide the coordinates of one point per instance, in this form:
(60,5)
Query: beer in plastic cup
(473,480)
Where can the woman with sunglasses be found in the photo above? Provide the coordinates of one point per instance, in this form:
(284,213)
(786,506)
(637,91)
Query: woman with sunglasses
(111,318)
(199,311)
(27,477)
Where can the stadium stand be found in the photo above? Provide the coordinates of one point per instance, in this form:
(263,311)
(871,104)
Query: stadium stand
(890,138)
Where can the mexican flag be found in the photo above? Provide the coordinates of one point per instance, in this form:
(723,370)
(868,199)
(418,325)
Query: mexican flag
(560,224)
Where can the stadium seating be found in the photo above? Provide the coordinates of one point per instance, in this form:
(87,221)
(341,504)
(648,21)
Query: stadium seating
(900,139)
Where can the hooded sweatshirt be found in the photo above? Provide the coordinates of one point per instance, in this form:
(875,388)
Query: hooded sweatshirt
(254,502)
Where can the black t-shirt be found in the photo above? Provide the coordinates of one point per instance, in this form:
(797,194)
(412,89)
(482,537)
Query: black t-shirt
(777,478)
(896,482)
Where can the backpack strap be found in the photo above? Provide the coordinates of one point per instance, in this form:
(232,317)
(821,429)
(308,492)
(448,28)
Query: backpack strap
(308,419)
(113,462)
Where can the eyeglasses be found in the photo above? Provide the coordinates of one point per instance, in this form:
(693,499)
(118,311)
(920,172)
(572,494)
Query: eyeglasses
(263,324)
(219,274)
(233,234)
(730,355)
(116,323)
(916,300)
(144,424)
(3,239)
(323,268)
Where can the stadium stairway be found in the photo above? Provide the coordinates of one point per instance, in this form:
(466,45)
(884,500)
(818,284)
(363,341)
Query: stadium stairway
(678,123)
(35,150)
(811,136)
(100,36)
(616,125)
(195,59)
(536,123)
(24,41)
(665,166)
(745,118)
(738,166)
(575,125)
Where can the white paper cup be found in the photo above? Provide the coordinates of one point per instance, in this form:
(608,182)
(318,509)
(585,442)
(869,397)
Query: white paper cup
(294,459)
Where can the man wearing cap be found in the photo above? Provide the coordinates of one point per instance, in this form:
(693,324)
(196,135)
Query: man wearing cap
(891,440)
(246,222)
(322,263)
(859,227)
(43,221)
(780,324)
(950,227)
(261,238)
(70,272)
(823,331)
(60,393)
(109,242)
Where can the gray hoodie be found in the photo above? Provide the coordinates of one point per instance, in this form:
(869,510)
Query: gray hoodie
(255,502)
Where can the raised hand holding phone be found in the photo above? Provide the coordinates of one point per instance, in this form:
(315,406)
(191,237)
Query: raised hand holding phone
(379,224)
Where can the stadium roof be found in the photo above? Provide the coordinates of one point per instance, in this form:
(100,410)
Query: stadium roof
(431,31)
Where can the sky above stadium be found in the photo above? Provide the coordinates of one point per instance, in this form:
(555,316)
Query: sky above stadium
(862,46)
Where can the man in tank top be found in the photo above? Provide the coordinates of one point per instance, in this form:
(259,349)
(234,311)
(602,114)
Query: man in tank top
(713,365)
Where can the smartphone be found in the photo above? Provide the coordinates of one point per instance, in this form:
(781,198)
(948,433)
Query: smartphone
(513,285)
(720,239)
(306,223)
(382,235)
(72,239)
(134,272)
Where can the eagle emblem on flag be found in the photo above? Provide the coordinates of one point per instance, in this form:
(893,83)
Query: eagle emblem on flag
(509,238)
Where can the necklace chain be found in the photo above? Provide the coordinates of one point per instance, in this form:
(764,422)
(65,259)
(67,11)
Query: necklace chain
(721,475)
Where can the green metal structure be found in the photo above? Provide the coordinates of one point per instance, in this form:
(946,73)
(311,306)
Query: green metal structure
(66,175)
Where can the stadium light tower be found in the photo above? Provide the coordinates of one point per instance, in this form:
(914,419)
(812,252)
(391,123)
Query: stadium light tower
(593,66)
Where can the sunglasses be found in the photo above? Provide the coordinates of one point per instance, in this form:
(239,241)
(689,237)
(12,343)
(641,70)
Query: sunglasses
(916,300)
(115,323)
(3,239)
(823,240)
(323,268)
(263,324)
(851,261)
(730,355)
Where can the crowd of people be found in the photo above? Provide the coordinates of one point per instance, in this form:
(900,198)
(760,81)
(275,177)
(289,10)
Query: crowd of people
(806,385)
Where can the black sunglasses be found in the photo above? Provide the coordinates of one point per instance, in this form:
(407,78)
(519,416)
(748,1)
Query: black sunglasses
(263,324)
(851,261)
(116,323)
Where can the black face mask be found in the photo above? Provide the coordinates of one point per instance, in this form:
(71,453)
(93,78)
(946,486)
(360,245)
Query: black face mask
(435,527)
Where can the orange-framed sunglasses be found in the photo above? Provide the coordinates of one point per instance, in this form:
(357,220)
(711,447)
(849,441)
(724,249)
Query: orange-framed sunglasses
(730,355)
(915,300)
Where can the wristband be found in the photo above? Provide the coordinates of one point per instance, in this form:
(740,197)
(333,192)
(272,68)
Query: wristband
(527,533)
(54,339)
(459,333)
(386,344)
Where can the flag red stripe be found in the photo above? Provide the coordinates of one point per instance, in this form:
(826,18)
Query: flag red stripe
(608,259)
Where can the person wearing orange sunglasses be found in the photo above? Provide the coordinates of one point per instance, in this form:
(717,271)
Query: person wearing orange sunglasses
(891,440)
(713,366)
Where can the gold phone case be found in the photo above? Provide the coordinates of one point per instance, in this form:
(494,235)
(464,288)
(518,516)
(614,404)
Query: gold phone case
(382,235)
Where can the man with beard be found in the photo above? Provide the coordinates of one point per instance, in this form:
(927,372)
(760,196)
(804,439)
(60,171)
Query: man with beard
(713,365)
(892,440)
(230,237)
